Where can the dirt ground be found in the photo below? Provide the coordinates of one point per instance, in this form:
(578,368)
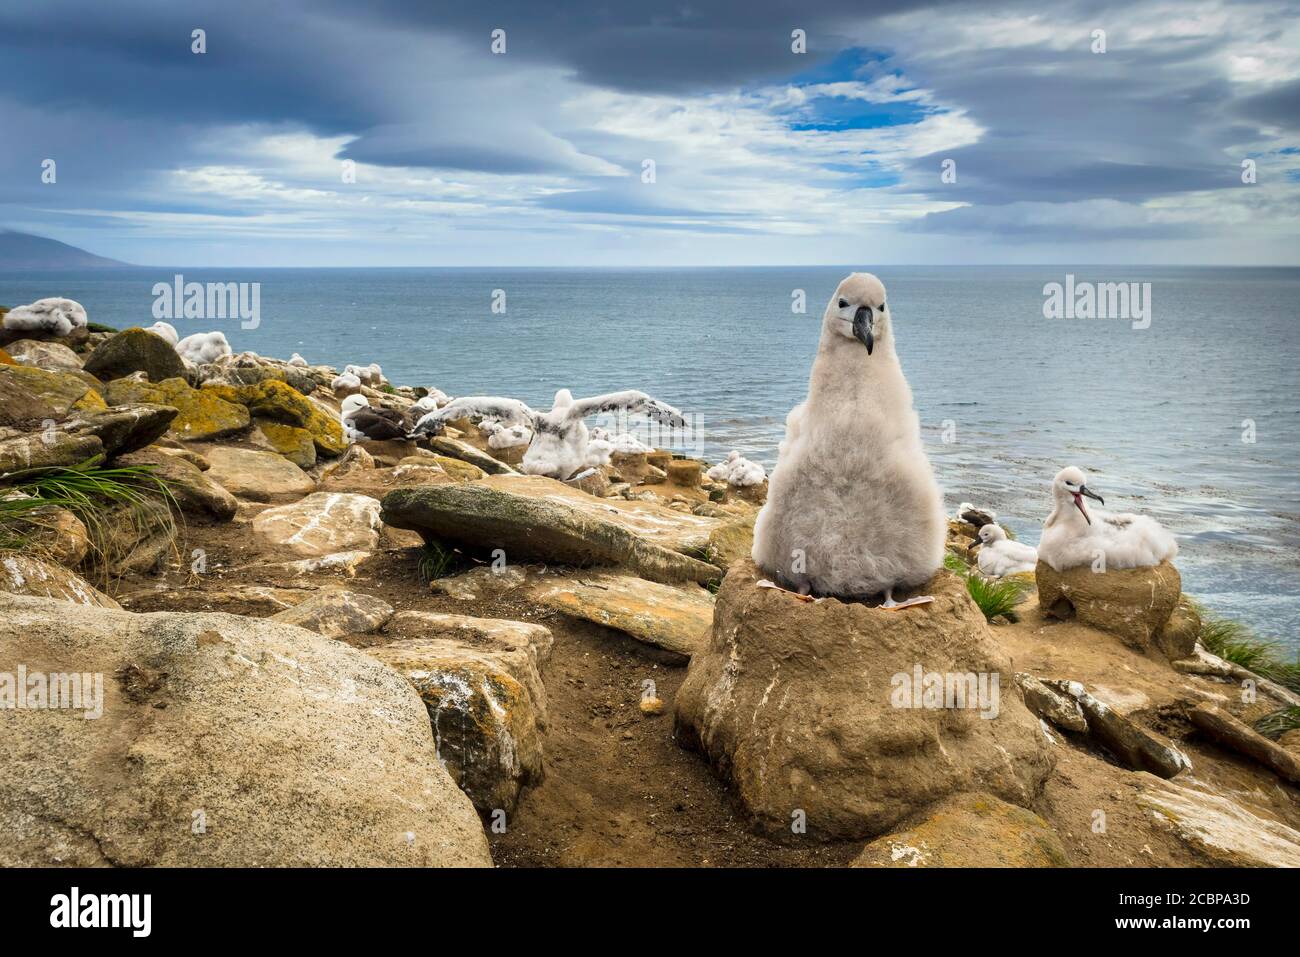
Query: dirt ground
(618,789)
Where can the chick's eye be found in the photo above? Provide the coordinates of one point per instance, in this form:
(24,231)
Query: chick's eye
(844,304)
(882,307)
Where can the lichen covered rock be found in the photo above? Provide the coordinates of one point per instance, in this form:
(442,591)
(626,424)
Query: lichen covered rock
(201,415)
(135,350)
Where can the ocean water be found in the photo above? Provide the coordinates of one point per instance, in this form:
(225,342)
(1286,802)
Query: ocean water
(1194,420)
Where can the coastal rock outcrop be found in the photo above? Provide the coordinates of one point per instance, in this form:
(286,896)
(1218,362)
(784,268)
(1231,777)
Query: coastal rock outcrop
(336,612)
(194,492)
(221,741)
(280,402)
(31,396)
(488,518)
(1139,605)
(201,416)
(849,718)
(51,356)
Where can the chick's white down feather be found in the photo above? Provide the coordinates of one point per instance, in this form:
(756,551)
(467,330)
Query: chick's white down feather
(853,509)
(1077,534)
(738,471)
(204,347)
(55,316)
(166,331)
(1001,556)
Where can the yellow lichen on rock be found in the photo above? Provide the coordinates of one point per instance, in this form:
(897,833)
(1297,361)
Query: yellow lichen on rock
(203,415)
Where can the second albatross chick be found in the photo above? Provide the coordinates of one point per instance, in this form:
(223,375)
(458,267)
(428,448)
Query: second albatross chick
(853,509)
(360,421)
(1072,536)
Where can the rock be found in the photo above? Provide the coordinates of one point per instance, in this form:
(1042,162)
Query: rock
(201,415)
(675,619)
(345,563)
(46,450)
(29,397)
(483,717)
(134,350)
(258,476)
(1219,828)
(336,612)
(291,749)
(969,830)
(122,429)
(1226,729)
(51,356)
(520,647)
(630,466)
(1136,604)
(731,541)
(527,528)
(1124,739)
(1201,662)
(355,459)
(280,402)
(195,493)
(245,368)
(5,358)
(456,449)
(50,531)
(1290,740)
(293,443)
(390,452)
(1061,710)
(459,470)
(482,581)
(321,524)
(686,472)
(133,537)
(23,575)
(825,707)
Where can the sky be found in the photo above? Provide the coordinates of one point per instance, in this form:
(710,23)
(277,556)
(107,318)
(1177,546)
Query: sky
(387,133)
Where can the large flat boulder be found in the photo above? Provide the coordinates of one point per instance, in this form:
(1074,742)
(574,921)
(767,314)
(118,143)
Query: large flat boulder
(1218,827)
(1139,605)
(321,524)
(122,429)
(854,717)
(22,452)
(487,518)
(280,402)
(51,356)
(222,742)
(969,830)
(257,476)
(676,619)
(135,350)
(651,520)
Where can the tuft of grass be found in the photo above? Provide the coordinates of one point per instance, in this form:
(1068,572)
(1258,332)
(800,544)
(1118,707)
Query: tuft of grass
(437,561)
(1235,642)
(995,598)
(100,327)
(97,496)
(1277,723)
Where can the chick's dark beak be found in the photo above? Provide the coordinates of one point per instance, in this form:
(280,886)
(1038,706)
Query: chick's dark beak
(863,328)
(1084,490)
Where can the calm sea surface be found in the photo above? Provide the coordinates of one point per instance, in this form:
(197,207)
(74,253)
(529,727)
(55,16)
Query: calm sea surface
(1157,416)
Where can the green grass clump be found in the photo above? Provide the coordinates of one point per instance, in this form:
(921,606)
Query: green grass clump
(94,494)
(99,327)
(1235,642)
(995,598)
(1277,723)
(437,561)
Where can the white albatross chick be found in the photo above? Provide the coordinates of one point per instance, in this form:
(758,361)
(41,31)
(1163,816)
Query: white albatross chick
(203,347)
(853,509)
(56,316)
(346,382)
(297,360)
(165,330)
(559,447)
(1072,536)
(1000,556)
(738,471)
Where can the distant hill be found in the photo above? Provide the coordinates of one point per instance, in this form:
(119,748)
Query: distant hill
(25,251)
